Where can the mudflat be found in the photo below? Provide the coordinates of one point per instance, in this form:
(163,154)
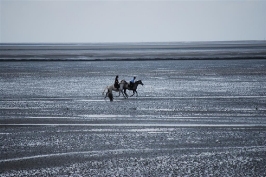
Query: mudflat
(191,118)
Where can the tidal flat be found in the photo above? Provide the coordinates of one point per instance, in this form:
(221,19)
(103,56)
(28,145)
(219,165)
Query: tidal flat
(191,118)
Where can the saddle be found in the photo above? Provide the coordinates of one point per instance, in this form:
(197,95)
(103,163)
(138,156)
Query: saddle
(116,86)
(130,85)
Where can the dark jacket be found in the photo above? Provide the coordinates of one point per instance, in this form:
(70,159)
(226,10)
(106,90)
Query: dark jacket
(116,83)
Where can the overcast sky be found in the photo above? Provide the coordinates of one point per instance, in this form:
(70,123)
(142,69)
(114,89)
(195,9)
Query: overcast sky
(131,21)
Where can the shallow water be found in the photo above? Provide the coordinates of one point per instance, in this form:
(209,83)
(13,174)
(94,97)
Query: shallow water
(134,51)
(203,118)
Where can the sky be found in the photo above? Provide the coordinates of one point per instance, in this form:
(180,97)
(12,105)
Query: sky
(87,21)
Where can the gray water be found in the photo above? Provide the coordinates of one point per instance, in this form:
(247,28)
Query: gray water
(134,51)
(191,118)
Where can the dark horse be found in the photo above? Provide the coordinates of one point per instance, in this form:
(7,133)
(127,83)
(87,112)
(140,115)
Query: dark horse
(134,87)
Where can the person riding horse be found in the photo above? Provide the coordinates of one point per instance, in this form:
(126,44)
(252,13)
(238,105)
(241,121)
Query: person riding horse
(125,86)
(131,83)
(116,84)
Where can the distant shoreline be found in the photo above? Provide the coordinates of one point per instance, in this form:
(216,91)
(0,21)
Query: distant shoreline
(163,42)
(223,50)
(154,59)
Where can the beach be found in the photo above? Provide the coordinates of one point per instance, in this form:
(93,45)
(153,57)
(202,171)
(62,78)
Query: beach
(191,118)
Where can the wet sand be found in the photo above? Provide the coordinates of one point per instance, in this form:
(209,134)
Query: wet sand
(191,118)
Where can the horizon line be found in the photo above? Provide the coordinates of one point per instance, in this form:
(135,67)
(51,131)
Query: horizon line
(129,42)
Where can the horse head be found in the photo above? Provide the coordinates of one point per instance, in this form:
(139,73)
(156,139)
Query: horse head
(139,82)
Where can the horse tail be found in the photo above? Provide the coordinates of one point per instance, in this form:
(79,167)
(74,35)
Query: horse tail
(106,88)
(110,95)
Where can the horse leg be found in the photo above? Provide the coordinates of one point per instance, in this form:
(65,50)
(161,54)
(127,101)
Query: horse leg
(106,88)
(116,90)
(133,93)
(125,92)
(118,93)
(106,95)
(137,94)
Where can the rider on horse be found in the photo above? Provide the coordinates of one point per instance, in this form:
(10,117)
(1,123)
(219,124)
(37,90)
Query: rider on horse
(116,84)
(131,83)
